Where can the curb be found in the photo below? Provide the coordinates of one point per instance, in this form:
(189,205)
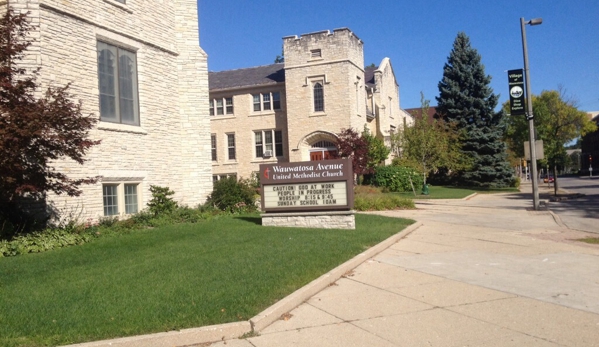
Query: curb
(557,219)
(470,196)
(220,332)
(564,198)
(185,337)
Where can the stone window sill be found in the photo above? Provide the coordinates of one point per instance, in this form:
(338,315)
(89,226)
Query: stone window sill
(269,113)
(269,160)
(222,117)
(124,128)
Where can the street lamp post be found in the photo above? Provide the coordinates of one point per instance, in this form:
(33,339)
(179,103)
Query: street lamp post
(529,114)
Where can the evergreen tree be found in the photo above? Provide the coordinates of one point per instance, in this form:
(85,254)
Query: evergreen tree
(466,99)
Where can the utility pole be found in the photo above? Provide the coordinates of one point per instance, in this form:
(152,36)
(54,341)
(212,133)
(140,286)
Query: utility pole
(529,113)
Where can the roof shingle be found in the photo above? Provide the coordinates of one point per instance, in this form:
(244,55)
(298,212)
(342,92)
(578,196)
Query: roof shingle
(248,77)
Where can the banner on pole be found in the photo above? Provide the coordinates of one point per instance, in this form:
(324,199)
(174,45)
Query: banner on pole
(516,85)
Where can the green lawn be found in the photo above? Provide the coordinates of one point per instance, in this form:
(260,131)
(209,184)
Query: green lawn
(441,192)
(591,240)
(188,275)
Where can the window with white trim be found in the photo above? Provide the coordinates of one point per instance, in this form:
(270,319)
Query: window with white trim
(130,198)
(229,105)
(268,143)
(266,101)
(111,199)
(221,106)
(276,100)
(120,198)
(117,81)
(213,146)
(231,146)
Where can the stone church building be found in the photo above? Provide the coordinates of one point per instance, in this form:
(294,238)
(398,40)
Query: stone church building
(292,111)
(140,70)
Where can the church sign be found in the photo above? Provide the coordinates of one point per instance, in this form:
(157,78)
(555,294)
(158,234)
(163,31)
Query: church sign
(325,185)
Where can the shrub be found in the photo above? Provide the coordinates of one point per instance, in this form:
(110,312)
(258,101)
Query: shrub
(43,241)
(163,212)
(161,202)
(381,203)
(108,221)
(397,178)
(254,180)
(232,196)
(515,182)
(363,190)
(191,215)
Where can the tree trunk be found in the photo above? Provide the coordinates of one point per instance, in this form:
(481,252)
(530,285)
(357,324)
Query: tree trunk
(555,180)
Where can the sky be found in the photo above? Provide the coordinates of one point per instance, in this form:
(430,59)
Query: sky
(418,35)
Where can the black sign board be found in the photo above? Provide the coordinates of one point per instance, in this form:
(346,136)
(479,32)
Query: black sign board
(516,84)
(325,185)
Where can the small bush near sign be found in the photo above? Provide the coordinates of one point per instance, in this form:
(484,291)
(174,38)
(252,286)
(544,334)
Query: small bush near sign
(397,178)
(232,195)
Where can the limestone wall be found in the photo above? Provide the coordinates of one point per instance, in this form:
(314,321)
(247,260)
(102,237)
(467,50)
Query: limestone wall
(152,22)
(243,123)
(171,146)
(338,65)
(325,220)
(387,99)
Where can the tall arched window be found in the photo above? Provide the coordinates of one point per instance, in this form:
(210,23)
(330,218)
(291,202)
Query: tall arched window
(107,79)
(318,97)
(117,79)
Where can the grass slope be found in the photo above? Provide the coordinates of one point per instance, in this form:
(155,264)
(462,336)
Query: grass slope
(169,278)
(441,192)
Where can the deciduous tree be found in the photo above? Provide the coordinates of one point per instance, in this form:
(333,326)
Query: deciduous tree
(430,144)
(36,128)
(351,145)
(378,152)
(557,121)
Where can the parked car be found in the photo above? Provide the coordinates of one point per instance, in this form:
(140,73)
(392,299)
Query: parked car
(549,179)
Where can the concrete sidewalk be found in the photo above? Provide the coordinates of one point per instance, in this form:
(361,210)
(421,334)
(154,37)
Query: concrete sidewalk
(478,272)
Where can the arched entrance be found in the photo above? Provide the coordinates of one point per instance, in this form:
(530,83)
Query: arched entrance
(322,150)
(317,145)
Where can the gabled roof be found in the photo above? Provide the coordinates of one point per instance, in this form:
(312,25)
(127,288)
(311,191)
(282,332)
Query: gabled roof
(262,75)
(369,76)
(248,77)
(417,112)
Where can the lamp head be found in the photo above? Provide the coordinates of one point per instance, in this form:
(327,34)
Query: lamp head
(535,21)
